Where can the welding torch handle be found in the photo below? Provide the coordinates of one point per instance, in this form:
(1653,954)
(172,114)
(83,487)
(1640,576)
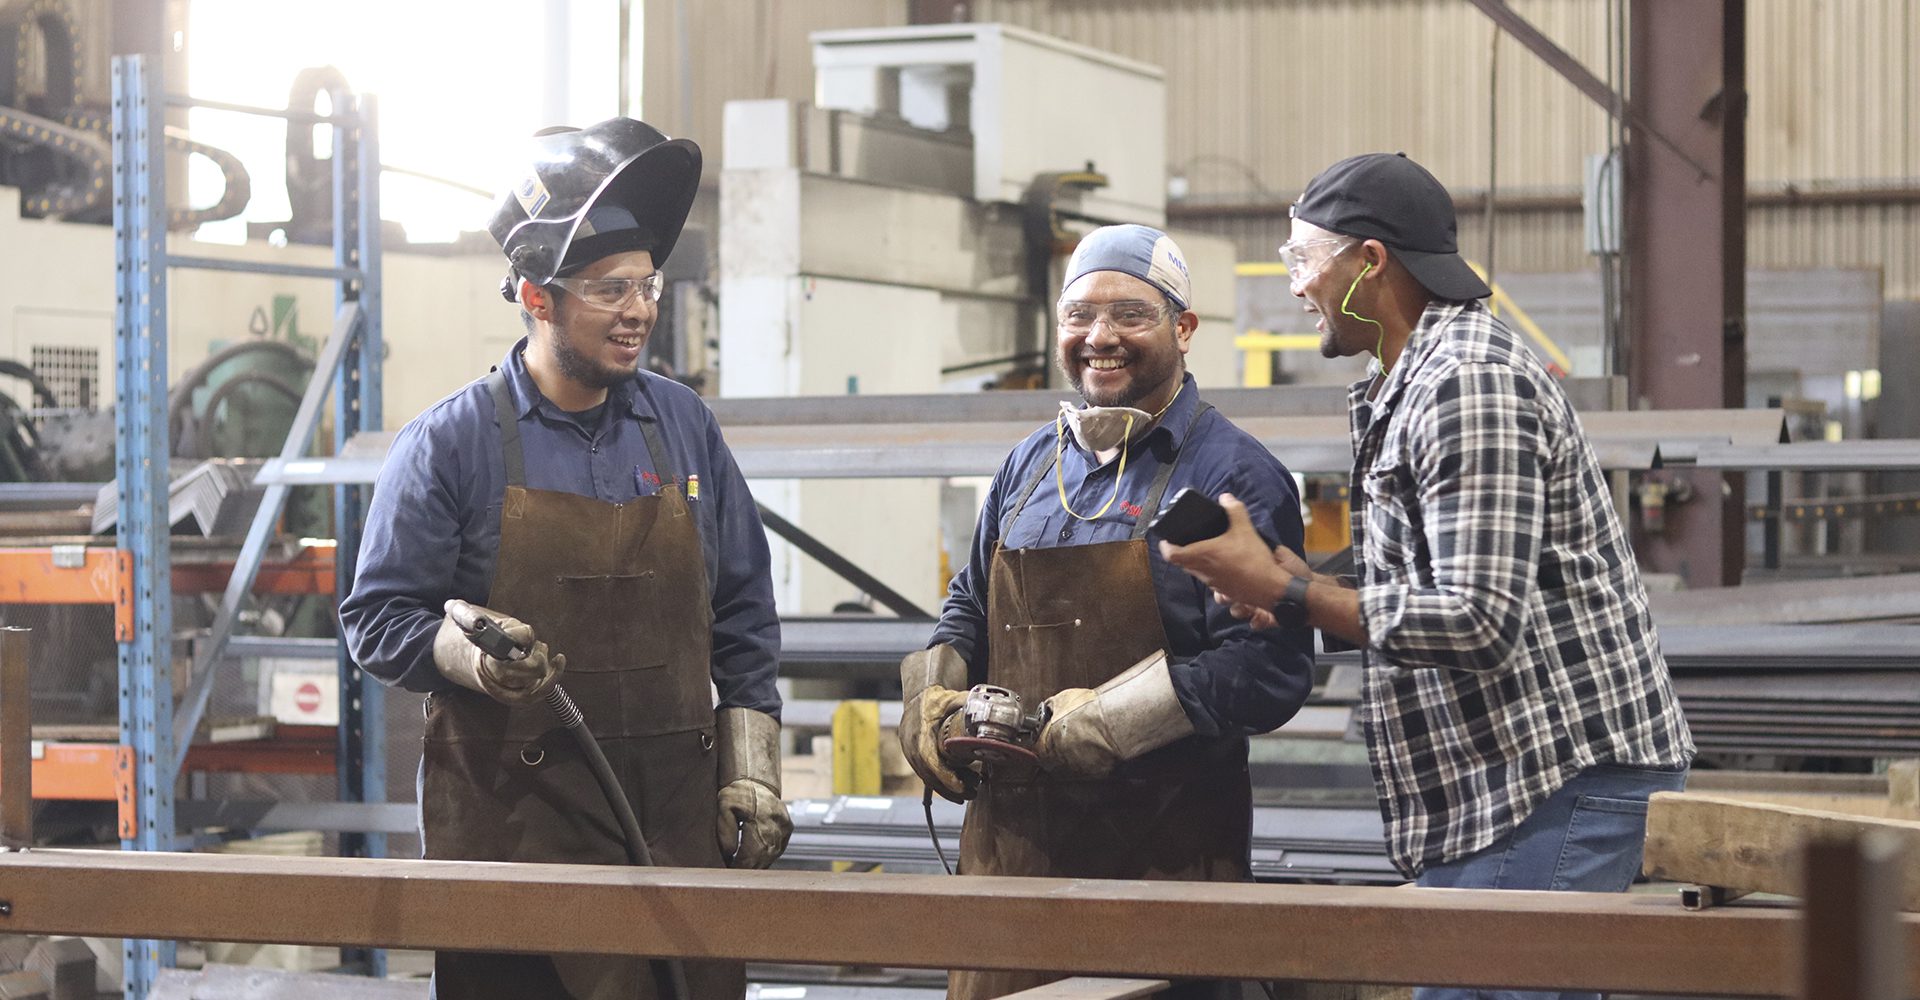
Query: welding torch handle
(493,640)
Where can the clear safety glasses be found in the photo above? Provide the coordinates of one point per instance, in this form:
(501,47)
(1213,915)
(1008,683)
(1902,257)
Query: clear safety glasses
(1127,316)
(1305,258)
(613,293)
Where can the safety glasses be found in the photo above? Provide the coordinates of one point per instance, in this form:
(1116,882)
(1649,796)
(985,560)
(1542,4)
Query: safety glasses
(1126,316)
(613,293)
(1305,258)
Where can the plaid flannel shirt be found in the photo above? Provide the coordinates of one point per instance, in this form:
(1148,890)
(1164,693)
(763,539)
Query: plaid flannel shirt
(1510,642)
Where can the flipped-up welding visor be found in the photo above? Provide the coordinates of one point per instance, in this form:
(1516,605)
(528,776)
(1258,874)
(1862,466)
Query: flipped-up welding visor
(637,177)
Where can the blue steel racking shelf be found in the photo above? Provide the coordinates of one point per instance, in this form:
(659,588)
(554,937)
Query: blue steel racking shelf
(151,725)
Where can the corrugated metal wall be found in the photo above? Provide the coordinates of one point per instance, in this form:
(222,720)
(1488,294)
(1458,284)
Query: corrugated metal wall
(1263,93)
(741,49)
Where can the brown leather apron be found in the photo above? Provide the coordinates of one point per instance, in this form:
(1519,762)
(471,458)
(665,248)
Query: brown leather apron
(1075,616)
(621,589)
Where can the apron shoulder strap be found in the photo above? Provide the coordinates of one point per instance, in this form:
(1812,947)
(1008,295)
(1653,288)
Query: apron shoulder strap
(509,420)
(656,442)
(1160,479)
(1039,476)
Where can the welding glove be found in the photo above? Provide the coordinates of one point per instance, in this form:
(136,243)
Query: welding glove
(933,682)
(1091,731)
(754,825)
(511,682)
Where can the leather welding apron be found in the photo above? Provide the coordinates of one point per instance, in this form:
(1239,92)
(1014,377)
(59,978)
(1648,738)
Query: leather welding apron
(620,589)
(1072,617)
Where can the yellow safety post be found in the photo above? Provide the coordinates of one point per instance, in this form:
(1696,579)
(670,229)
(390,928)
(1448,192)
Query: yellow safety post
(856,752)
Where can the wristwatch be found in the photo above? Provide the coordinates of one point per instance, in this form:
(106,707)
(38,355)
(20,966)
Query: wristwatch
(1292,606)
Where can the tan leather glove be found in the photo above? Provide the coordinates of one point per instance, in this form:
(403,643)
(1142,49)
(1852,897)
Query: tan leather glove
(1090,731)
(932,683)
(754,825)
(511,682)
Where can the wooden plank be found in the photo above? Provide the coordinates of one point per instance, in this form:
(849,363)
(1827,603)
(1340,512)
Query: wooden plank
(78,732)
(1903,784)
(1786,781)
(1872,806)
(1742,844)
(232,982)
(1617,942)
(1090,988)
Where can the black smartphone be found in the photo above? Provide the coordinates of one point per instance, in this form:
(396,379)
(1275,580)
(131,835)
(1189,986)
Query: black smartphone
(1191,516)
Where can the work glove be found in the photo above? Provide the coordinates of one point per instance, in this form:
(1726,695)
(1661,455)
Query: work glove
(511,682)
(930,713)
(1091,731)
(754,825)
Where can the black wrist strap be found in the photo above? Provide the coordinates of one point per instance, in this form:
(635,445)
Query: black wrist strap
(1292,607)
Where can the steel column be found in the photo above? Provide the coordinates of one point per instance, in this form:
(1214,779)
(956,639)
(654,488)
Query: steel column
(360,756)
(141,450)
(1851,947)
(1687,257)
(153,733)
(16,741)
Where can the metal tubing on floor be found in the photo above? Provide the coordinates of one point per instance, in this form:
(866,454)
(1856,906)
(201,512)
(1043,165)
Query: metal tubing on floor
(1447,937)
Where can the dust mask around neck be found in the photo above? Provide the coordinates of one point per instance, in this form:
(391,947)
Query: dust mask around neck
(1103,428)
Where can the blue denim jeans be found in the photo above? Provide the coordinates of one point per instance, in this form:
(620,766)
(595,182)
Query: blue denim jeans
(1586,837)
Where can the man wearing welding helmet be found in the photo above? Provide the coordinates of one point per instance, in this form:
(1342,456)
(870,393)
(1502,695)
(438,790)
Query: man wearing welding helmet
(1150,687)
(591,509)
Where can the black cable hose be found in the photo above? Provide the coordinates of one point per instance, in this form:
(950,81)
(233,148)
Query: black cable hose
(669,977)
(41,391)
(926,804)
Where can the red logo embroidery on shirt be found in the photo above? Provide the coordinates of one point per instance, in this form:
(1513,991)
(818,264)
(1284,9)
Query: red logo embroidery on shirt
(1132,509)
(650,478)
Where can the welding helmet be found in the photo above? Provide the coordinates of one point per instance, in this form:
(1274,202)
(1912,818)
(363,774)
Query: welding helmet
(591,192)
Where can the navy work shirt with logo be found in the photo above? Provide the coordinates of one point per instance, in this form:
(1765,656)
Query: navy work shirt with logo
(1231,679)
(433,529)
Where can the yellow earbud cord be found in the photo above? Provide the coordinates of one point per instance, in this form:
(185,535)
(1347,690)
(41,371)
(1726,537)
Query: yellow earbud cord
(1060,447)
(1379,349)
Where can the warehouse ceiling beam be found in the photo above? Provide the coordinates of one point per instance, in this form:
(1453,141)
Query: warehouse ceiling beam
(1582,78)
(1548,940)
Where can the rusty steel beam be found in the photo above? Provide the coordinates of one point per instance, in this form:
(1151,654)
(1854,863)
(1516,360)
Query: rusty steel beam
(1467,201)
(1686,260)
(1160,930)
(16,742)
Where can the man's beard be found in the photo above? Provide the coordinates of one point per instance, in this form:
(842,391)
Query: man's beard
(1144,383)
(585,370)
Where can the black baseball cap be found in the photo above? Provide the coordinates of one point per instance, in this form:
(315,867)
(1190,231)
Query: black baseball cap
(1387,197)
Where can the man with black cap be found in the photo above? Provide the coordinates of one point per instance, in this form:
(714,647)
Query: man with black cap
(1150,688)
(592,511)
(1517,706)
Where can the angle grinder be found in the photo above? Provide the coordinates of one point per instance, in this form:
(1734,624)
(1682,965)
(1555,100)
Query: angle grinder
(998,730)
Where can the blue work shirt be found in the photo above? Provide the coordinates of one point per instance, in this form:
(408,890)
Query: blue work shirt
(433,529)
(1231,679)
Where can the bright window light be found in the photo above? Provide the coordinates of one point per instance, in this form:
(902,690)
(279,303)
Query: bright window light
(459,87)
